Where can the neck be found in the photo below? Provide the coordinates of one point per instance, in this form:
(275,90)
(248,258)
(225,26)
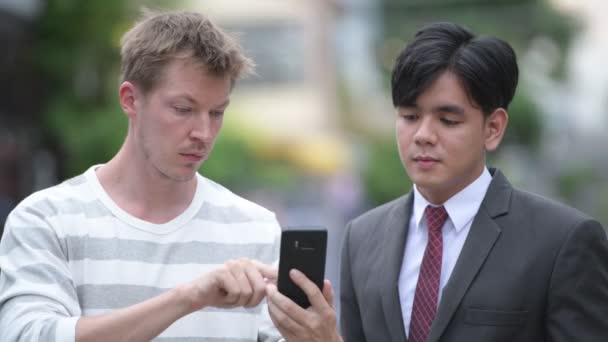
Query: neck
(143,191)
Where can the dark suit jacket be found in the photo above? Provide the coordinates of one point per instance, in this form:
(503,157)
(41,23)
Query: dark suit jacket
(530,270)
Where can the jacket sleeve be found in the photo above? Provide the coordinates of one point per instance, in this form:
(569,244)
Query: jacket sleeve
(350,317)
(38,300)
(577,307)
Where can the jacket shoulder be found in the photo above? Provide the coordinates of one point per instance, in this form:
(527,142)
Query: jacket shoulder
(373,221)
(538,215)
(546,208)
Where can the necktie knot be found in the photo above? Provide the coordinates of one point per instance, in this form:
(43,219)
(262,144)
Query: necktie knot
(435,217)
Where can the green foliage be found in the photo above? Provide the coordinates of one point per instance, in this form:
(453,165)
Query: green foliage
(90,136)
(76,51)
(602,206)
(76,37)
(235,163)
(517,22)
(525,125)
(570,181)
(384,178)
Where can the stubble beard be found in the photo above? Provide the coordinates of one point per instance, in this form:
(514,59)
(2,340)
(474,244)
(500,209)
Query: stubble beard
(164,172)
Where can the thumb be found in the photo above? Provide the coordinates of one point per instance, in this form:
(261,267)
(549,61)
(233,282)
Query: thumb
(328,293)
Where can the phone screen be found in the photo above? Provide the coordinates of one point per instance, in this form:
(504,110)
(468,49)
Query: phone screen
(304,250)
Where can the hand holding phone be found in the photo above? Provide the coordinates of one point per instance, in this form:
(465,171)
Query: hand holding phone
(304,250)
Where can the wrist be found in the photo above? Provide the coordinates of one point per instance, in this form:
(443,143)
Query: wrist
(186,298)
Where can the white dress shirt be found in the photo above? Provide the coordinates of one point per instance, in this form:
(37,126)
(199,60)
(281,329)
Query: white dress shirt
(461,208)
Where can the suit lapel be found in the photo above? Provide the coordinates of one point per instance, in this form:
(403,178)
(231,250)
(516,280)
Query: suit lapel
(397,225)
(478,245)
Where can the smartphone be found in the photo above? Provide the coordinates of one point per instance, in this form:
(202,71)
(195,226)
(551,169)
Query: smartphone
(304,250)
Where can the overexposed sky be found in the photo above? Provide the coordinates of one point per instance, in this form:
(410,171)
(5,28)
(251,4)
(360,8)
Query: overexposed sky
(588,69)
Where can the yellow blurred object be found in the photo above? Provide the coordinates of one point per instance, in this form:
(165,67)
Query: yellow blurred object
(321,155)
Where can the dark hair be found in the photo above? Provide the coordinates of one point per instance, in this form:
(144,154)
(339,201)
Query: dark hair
(486,66)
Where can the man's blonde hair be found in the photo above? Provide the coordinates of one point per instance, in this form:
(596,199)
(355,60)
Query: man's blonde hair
(158,38)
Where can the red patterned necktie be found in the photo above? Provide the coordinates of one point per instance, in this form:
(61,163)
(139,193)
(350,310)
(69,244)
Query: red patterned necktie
(427,289)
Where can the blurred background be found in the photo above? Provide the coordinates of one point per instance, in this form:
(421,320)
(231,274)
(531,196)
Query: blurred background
(311,136)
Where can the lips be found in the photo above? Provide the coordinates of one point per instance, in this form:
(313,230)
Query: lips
(425,159)
(194,156)
(425,162)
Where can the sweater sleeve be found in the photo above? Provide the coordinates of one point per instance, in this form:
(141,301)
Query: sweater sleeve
(38,299)
(267,332)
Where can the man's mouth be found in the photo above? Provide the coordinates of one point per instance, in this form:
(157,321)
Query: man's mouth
(194,157)
(425,162)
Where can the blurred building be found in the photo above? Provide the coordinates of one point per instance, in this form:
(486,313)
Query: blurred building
(291,102)
(308,55)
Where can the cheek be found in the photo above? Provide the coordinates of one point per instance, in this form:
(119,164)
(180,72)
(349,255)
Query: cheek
(404,142)
(216,127)
(466,148)
(403,136)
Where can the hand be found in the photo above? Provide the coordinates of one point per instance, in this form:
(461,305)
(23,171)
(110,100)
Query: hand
(236,283)
(315,324)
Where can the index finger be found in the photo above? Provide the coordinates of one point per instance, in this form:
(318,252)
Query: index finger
(311,290)
(267,271)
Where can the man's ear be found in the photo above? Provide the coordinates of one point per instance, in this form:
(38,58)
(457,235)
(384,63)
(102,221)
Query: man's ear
(494,128)
(129,99)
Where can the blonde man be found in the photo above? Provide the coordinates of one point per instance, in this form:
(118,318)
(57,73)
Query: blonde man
(143,247)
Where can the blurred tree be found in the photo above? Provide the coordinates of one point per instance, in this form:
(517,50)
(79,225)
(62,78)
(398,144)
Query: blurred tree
(77,52)
(572,180)
(81,61)
(384,176)
(236,162)
(518,22)
(525,123)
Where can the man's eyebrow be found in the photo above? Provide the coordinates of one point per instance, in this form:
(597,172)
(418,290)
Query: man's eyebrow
(184,97)
(224,104)
(448,108)
(193,101)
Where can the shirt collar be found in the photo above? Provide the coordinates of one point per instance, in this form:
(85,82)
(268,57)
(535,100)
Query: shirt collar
(461,207)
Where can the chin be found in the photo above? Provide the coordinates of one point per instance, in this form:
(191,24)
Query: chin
(426,181)
(185,176)
(180,175)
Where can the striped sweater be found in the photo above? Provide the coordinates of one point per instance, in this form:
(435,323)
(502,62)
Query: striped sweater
(70,251)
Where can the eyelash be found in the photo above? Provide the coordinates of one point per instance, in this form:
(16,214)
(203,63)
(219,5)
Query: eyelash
(217,114)
(182,110)
(188,110)
(410,117)
(414,117)
(449,122)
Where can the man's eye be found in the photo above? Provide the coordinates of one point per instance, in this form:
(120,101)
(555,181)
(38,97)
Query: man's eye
(217,114)
(449,122)
(410,117)
(182,110)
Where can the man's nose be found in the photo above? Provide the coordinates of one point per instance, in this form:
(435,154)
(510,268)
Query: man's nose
(201,127)
(426,132)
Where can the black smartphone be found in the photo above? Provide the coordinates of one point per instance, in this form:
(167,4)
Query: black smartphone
(304,250)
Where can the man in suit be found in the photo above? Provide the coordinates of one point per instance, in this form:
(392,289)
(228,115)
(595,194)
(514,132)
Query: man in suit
(464,256)
(513,266)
